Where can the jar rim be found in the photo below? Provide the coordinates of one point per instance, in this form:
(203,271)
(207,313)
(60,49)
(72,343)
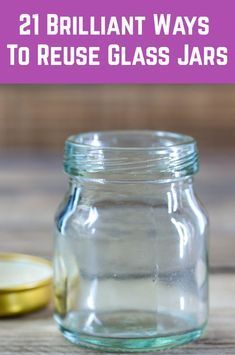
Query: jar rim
(93,140)
(131,155)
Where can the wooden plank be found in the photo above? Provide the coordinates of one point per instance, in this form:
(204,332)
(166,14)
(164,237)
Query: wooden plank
(37,333)
(43,116)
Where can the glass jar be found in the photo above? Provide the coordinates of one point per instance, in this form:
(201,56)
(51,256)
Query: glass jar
(130,263)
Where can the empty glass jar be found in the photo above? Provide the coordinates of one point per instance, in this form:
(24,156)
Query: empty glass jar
(130,263)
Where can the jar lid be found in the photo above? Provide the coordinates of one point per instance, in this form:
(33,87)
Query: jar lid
(25,283)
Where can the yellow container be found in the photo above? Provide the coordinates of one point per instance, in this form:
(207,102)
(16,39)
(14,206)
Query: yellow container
(25,284)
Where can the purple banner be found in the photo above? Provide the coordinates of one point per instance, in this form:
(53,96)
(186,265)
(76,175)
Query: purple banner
(124,41)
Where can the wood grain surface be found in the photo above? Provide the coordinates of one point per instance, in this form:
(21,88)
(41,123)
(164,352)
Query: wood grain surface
(35,117)
(31,187)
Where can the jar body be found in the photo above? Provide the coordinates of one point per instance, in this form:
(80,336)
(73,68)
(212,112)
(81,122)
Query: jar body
(130,265)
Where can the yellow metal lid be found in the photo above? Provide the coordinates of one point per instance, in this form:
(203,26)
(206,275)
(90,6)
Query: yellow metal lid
(25,284)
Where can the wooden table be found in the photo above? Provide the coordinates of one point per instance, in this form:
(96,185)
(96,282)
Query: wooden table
(31,188)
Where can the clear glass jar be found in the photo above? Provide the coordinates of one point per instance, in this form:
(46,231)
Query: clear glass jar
(130,263)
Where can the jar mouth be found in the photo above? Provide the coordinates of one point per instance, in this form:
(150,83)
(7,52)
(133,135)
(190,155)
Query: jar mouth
(131,155)
(130,140)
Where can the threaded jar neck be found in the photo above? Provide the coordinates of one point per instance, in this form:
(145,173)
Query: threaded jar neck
(131,155)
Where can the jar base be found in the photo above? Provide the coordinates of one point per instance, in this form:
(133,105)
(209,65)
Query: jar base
(131,345)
